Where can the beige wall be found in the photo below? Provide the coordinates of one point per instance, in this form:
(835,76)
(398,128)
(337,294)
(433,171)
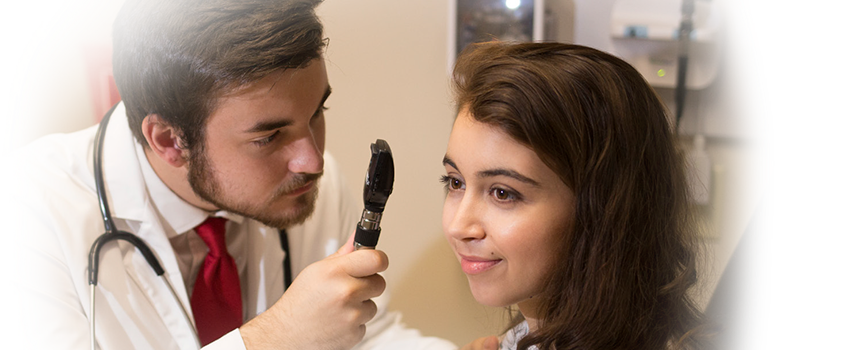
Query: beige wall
(387,63)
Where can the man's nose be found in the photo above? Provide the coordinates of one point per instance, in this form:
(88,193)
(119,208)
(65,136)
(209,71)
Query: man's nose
(306,155)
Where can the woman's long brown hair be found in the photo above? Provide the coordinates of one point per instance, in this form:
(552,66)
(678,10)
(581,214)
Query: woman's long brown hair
(625,267)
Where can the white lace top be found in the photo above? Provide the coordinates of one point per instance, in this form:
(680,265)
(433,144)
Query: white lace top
(509,340)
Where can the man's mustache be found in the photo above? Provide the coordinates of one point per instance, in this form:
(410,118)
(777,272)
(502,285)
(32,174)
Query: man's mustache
(298,181)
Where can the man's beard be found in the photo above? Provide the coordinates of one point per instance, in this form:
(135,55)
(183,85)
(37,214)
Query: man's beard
(203,181)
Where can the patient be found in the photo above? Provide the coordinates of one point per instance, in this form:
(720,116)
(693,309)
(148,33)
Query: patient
(566,197)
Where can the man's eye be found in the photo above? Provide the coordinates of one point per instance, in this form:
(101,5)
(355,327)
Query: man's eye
(266,140)
(319,113)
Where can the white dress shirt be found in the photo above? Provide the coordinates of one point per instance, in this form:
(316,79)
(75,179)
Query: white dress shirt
(180,219)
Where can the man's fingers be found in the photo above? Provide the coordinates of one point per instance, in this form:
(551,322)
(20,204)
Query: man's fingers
(375,286)
(365,262)
(490,343)
(346,248)
(370,309)
(485,343)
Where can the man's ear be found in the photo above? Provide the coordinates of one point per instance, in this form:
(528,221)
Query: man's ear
(164,140)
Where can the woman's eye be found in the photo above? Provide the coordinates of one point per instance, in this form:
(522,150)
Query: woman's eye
(451,183)
(455,184)
(502,194)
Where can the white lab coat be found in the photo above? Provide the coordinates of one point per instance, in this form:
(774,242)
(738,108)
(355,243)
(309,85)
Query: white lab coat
(49,199)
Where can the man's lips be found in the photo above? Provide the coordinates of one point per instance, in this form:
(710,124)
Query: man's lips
(301,190)
(472,265)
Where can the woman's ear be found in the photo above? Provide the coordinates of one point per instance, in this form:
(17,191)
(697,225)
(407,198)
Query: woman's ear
(164,140)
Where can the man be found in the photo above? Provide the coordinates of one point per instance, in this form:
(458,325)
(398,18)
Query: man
(217,146)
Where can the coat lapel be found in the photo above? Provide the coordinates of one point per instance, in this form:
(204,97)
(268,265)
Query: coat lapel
(264,268)
(127,194)
(168,306)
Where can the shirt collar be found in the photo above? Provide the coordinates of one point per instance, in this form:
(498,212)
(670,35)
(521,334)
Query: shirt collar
(128,193)
(176,213)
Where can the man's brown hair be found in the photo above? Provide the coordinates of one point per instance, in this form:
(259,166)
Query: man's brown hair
(174,58)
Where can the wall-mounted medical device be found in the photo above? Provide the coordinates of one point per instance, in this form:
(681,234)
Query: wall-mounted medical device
(674,45)
(646,33)
(473,21)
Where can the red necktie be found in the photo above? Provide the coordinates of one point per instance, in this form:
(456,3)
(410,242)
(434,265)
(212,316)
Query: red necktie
(216,298)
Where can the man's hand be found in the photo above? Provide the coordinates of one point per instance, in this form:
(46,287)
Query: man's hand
(486,343)
(327,305)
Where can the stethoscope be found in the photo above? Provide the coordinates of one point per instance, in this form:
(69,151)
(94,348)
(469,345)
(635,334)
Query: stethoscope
(112,234)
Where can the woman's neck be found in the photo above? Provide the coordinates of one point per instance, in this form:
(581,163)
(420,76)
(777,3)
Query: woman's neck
(528,308)
(532,324)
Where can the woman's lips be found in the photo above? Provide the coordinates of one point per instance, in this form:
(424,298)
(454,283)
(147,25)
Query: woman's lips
(472,265)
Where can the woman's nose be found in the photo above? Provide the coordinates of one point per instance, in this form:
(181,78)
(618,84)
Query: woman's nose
(461,219)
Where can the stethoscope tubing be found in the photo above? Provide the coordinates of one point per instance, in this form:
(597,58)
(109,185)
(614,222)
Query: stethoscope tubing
(112,234)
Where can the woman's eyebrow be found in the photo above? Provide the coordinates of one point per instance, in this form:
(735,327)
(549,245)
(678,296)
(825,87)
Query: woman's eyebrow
(509,173)
(496,172)
(448,161)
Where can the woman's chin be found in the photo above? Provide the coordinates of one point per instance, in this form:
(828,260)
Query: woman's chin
(488,297)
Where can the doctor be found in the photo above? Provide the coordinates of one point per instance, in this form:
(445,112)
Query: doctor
(217,145)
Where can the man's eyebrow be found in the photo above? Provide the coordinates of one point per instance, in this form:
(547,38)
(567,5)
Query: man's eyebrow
(268,125)
(277,124)
(496,172)
(324,98)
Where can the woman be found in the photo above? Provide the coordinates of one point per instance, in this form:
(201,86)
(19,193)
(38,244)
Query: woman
(566,197)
